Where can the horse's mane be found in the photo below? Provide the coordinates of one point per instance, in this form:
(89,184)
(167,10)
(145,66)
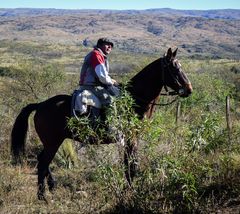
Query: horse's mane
(146,72)
(149,77)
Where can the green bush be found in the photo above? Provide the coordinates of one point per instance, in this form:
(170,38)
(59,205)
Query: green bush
(31,82)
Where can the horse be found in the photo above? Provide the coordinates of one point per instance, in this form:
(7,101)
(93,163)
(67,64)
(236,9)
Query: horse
(51,116)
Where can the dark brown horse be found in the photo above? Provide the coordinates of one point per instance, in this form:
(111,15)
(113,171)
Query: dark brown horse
(51,115)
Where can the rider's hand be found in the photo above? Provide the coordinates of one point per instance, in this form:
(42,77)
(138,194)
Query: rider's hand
(114,82)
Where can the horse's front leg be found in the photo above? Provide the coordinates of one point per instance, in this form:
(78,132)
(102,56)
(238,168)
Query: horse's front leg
(130,161)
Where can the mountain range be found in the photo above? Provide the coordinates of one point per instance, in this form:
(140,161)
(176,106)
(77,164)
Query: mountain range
(199,34)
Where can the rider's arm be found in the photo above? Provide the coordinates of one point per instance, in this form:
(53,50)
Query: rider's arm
(98,63)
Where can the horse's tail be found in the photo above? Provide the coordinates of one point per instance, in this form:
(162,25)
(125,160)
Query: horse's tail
(19,132)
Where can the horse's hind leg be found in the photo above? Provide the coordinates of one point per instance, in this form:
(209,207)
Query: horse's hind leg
(51,181)
(42,172)
(44,160)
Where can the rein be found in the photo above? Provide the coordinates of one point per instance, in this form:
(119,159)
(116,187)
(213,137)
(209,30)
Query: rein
(167,94)
(172,93)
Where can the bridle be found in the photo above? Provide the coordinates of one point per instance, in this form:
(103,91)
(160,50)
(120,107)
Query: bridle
(165,66)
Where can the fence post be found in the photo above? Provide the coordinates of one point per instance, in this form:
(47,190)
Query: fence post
(228,117)
(178,111)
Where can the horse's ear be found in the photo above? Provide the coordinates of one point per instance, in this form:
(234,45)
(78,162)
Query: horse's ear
(175,53)
(169,53)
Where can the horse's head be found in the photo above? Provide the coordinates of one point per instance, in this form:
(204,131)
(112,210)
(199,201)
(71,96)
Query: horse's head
(173,75)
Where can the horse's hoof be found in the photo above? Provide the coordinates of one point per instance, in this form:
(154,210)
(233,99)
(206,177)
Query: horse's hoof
(52,186)
(41,197)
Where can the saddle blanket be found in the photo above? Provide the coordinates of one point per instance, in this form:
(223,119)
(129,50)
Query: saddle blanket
(83,98)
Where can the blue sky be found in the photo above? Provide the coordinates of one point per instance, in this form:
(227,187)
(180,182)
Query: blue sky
(122,4)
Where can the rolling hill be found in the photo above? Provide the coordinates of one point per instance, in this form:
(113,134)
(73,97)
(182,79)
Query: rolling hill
(211,34)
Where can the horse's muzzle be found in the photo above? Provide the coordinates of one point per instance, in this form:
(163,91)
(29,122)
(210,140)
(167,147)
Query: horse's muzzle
(186,91)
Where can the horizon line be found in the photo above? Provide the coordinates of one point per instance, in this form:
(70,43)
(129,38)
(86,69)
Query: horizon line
(168,8)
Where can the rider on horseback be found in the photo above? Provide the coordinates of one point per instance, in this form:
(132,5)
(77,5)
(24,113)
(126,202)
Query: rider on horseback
(94,75)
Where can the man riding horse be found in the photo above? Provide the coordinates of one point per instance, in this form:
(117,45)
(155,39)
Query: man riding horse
(95,70)
(51,116)
(94,75)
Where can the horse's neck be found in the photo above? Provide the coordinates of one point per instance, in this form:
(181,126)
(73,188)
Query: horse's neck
(145,88)
(147,84)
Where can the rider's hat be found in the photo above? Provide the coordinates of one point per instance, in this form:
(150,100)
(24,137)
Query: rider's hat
(103,41)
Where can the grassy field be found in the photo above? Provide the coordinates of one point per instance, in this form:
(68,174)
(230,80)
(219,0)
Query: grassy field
(192,166)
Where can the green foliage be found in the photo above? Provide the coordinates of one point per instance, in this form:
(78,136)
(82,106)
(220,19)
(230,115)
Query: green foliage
(32,82)
(166,179)
(66,156)
(120,120)
(121,117)
(82,130)
(207,136)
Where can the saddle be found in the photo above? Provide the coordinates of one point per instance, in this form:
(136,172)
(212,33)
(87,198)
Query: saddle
(81,99)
